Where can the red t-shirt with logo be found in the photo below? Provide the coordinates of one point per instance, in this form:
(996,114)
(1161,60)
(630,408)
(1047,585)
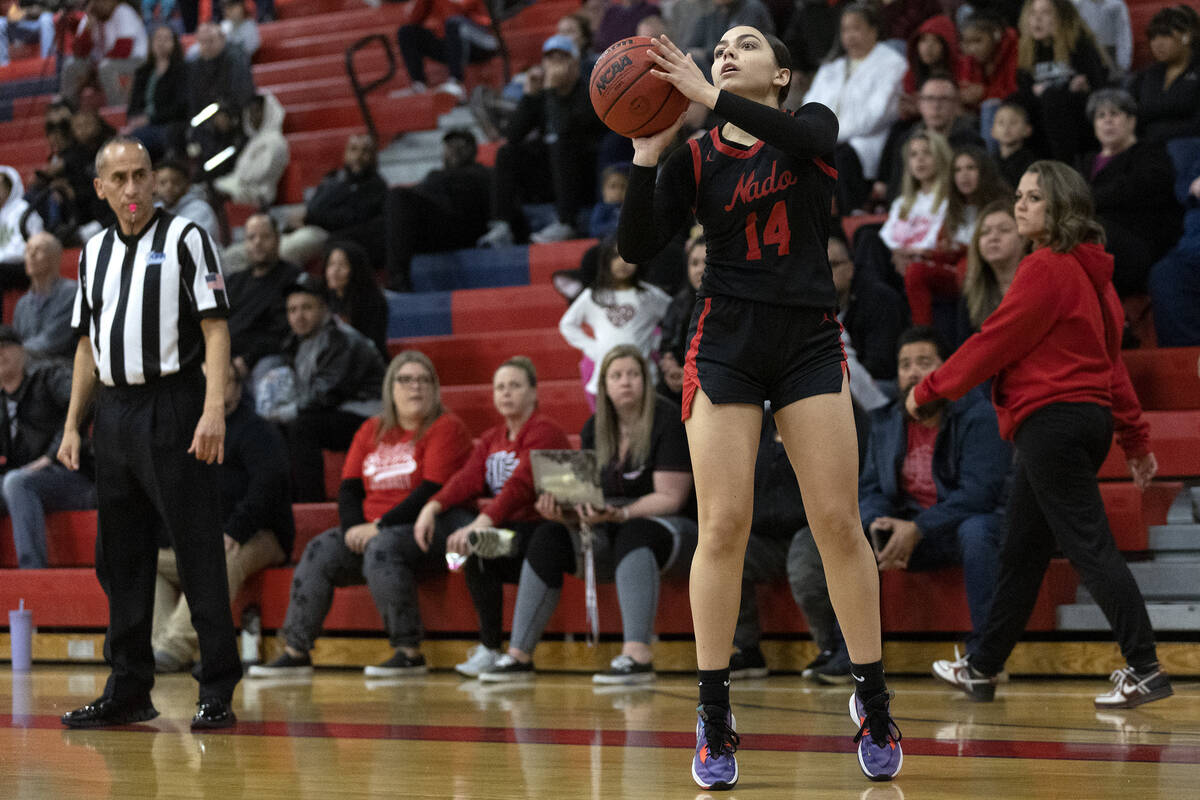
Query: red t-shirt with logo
(917,474)
(391,467)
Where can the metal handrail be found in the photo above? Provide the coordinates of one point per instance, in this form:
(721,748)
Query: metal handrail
(361,91)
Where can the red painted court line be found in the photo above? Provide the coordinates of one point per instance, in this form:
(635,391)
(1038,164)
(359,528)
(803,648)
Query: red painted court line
(791,743)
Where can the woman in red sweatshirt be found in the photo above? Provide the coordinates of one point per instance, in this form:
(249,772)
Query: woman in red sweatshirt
(1060,388)
(498,480)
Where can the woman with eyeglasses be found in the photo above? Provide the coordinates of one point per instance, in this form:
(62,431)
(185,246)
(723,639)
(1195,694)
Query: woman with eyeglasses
(397,461)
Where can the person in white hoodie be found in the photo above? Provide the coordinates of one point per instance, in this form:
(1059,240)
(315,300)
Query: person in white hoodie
(262,161)
(17,222)
(863,88)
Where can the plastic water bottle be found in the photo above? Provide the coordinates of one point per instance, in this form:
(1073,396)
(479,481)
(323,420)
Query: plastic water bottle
(251,635)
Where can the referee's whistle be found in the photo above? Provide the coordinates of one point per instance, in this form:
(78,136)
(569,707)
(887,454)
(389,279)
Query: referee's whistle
(133,208)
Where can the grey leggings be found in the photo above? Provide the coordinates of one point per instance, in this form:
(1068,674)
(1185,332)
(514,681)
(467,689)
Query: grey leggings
(631,555)
(390,566)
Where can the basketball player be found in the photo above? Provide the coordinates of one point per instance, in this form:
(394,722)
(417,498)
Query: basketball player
(764,328)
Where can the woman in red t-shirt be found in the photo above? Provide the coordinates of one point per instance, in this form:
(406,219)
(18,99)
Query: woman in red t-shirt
(397,461)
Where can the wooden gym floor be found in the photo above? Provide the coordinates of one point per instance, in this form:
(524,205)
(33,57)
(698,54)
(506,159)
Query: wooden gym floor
(343,736)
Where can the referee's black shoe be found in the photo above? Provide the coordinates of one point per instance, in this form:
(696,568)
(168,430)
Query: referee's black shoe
(106,711)
(213,713)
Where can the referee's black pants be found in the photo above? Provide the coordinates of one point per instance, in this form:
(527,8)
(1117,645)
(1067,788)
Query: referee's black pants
(1055,502)
(146,481)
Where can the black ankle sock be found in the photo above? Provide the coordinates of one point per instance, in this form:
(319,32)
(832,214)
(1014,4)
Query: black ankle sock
(714,687)
(868,680)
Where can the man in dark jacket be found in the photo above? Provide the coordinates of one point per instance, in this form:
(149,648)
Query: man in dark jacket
(347,205)
(256,504)
(930,492)
(33,407)
(257,321)
(338,373)
(873,313)
(557,163)
(447,210)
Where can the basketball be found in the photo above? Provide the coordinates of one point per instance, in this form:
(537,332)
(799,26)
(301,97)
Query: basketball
(627,98)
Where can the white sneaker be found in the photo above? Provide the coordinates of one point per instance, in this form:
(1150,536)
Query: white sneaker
(453,88)
(1130,689)
(416,87)
(499,234)
(479,659)
(554,232)
(959,673)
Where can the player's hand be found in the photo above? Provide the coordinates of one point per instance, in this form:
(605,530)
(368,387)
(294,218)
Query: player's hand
(648,149)
(910,405)
(208,443)
(679,69)
(68,451)
(358,536)
(1143,469)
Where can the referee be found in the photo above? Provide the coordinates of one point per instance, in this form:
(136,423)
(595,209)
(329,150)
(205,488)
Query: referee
(150,309)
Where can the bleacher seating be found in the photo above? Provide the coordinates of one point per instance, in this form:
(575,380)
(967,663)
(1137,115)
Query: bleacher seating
(474,309)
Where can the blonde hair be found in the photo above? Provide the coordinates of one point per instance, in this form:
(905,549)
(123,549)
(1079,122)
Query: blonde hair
(1070,215)
(388,418)
(943,162)
(1068,33)
(981,290)
(608,429)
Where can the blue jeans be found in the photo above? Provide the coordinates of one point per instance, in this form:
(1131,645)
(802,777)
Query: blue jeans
(975,545)
(40,30)
(29,494)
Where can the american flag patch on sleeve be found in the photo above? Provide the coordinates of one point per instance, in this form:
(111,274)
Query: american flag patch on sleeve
(215,281)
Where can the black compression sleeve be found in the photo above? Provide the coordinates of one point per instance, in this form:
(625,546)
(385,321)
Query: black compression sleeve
(405,512)
(350,499)
(809,133)
(653,213)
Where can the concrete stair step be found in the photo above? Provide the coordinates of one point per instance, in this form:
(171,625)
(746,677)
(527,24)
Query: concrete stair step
(1185,507)
(1161,580)
(1174,541)
(1182,616)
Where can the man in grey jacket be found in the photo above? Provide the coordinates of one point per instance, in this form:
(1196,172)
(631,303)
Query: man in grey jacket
(338,374)
(173,189)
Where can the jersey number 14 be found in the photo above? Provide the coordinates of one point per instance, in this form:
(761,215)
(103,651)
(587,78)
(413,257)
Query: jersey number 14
(775,232)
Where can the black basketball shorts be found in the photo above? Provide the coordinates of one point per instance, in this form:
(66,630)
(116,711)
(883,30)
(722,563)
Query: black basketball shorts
(743,351)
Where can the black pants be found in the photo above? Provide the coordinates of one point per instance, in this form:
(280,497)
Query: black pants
(486,578)
(146,482)
(416,223)
(456,50)
(1055,502)
(534,172)
(309,434)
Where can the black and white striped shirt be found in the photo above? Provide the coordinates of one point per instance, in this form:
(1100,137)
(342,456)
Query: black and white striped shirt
(141,299)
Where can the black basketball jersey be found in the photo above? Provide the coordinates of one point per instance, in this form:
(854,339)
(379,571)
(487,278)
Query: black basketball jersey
(765,209)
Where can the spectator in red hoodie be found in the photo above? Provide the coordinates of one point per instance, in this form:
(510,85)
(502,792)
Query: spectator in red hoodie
(498,480)
(109,44)
(1060,389)
(989,49)
(932,50)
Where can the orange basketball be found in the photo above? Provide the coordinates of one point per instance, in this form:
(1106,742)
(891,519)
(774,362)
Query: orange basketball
(627,98)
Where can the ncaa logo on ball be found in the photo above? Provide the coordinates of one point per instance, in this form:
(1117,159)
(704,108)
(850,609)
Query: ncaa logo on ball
(611,73)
